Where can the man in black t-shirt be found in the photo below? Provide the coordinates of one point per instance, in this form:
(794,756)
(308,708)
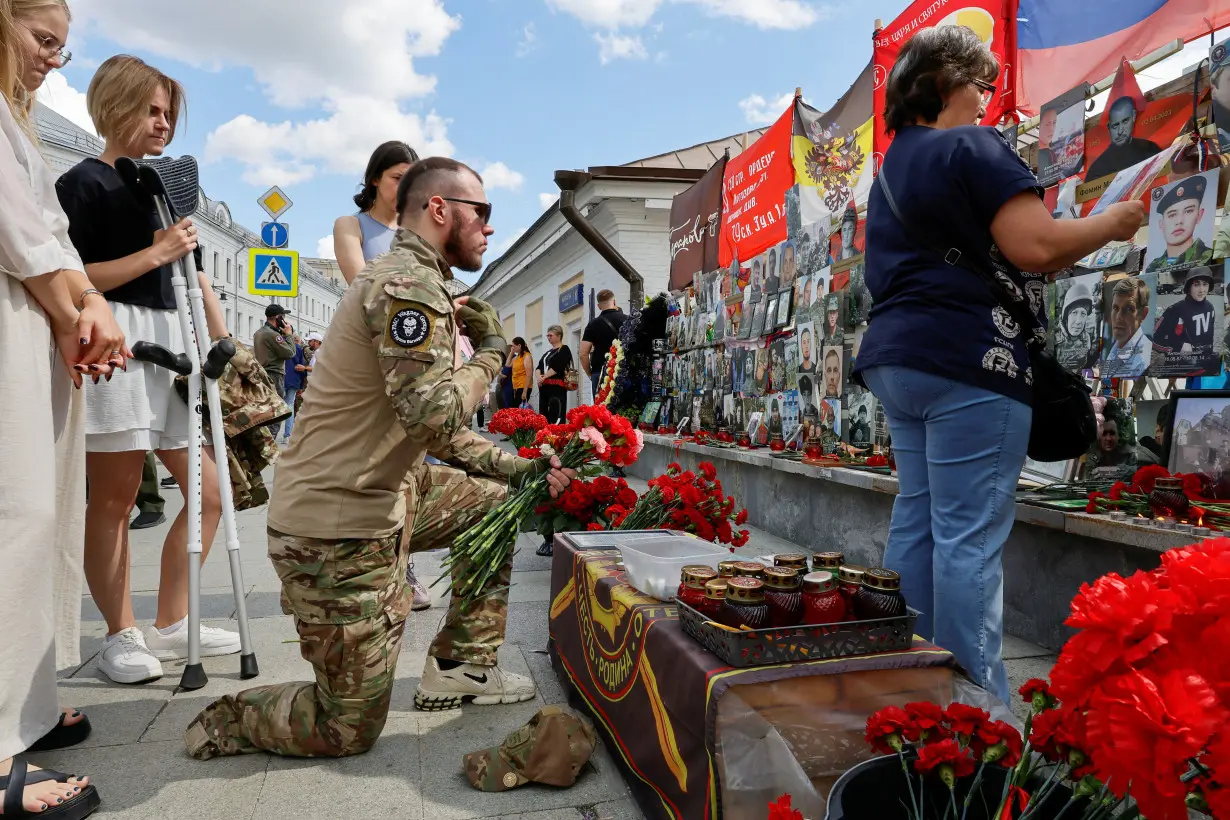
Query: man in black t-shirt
(599,335)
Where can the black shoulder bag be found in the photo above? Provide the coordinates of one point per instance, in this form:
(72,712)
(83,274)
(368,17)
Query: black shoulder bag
(1064,423)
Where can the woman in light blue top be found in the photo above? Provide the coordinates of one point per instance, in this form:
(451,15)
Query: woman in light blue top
(359,238)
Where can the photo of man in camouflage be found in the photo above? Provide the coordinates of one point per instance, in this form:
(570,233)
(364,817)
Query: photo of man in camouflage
(353,498)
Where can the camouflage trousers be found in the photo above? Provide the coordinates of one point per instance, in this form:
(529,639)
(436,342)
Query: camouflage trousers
(350,600)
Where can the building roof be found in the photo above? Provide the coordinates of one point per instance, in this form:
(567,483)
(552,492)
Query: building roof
(60,130)
(699,157)
(692,161)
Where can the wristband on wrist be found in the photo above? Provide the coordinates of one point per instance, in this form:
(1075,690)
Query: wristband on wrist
(85,293)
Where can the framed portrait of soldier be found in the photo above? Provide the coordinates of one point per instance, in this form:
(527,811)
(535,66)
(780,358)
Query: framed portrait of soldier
(802,296)
(809,349)
(1189,327)
(834,320)
(777,366)
(761,370)
(1219,80)
(1198,439)
(749,373)
(1074,314)
(785,302)
(1113,455)
(860,417)
(1127,337)
(832,379)
(1181,223)
(1061,137)
(756,330)
(770,315)
(792,363)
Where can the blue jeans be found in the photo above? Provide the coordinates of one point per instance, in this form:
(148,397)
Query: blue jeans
(288,394)
(959,452)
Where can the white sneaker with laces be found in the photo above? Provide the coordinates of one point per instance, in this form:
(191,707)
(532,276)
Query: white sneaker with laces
(126,659)
(422,597)
(175,646)
(440,690)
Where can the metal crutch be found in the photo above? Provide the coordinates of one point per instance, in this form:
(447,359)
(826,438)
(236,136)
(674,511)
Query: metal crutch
(172,185)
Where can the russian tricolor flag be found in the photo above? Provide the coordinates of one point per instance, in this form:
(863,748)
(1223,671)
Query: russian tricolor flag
(1062,43)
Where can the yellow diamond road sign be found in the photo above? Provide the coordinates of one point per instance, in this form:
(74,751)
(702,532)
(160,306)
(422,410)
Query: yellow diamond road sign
(275,202)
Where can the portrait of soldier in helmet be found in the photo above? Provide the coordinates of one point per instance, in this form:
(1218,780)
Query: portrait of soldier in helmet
(1075,321)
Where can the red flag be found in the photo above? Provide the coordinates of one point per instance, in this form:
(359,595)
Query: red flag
(994,21)
(1125,85)
(754,194)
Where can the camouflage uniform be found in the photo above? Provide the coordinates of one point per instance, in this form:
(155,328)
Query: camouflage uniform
(348,594)
(1198,254)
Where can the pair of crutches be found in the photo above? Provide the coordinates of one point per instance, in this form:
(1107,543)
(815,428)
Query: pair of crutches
(172,186)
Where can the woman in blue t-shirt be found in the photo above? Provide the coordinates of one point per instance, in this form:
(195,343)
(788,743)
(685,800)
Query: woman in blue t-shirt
(944,358)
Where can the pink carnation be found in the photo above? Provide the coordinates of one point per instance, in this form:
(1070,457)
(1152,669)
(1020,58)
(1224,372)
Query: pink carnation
(595,439)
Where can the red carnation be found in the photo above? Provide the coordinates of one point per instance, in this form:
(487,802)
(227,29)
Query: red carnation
(708,471)
(1000,743)
(964,720)
(1092,506)
(595,527)
(781,809)
(1146,476)
(928,721)
(1042,734)
(741,518)
(947,759)
(627,497)
(886,729)
(1117,490)
(740,539)
(1037,692)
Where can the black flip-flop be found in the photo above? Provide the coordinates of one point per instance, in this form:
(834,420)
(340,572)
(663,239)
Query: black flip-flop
(63,735)
(15,782)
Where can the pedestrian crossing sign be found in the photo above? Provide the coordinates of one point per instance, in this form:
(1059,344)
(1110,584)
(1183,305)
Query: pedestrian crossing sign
(273,272)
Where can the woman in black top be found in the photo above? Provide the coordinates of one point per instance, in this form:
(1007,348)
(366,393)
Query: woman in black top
(135,108)
(552,389)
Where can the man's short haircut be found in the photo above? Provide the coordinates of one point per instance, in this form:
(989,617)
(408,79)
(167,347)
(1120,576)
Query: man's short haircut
(1133,286)
(605,296)
(434,176)
(119,96)
(1119,103)
(833,354)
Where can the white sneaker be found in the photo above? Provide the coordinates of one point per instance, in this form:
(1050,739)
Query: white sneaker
(175,646)
(126,659)
(440,690)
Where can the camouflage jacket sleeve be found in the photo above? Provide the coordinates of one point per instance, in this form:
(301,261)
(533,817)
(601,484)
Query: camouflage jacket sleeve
(477,456)
(412,329)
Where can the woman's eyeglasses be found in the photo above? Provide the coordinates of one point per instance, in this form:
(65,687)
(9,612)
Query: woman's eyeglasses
(988,91)
(483,209)
(49,47)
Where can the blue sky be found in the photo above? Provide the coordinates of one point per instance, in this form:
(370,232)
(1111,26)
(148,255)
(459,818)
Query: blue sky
(298,92)
(526,86)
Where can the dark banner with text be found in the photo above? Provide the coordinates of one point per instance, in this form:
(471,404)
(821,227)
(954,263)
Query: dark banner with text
(696,222)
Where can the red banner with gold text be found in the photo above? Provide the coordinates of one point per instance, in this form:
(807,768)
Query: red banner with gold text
(754,194)
(994,21)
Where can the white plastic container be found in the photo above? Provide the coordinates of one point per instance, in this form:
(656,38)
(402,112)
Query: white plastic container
(654,565)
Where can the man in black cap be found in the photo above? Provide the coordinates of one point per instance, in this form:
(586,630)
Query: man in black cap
(1182,211)
(1189,326)
(273,345)
(1125,150)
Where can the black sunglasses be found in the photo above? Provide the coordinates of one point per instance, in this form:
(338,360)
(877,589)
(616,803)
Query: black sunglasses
(988,90)
(483,209)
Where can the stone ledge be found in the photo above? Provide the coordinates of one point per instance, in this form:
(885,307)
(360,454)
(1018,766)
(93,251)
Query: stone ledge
(1101,527)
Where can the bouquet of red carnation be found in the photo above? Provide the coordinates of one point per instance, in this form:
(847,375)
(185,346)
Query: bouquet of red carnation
(682,500)
(1137,708)
(591,434)
(582,506)
(1133,498)
(520,426)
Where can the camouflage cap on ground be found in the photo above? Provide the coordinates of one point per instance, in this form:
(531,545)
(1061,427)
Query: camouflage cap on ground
(550,749)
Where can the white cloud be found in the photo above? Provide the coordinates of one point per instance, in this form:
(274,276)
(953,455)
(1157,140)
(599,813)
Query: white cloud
(324,248)
(528,41)
(619,47)
(547,200)
(66,101)
(765,14)
(359,68)
(499,175)
(288,152)
(609,13)
(759,111)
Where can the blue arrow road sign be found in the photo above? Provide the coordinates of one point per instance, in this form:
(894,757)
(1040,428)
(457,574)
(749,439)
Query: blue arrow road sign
(275,234)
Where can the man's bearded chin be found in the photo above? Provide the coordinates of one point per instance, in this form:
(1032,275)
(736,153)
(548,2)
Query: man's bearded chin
(455,253)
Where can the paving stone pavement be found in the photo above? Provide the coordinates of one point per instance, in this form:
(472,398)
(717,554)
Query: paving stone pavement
(135,755)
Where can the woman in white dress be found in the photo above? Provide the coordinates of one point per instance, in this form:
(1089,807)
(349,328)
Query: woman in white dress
(54,328)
